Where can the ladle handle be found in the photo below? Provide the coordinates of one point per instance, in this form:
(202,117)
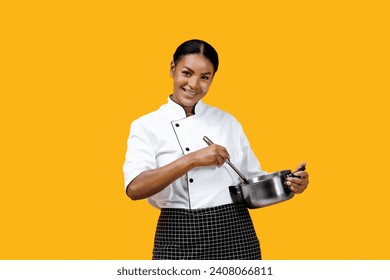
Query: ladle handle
(209,142)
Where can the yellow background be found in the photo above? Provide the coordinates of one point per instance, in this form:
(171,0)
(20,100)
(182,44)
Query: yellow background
(308,80)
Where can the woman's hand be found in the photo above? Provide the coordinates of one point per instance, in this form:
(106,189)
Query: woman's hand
(211,155)
(152,181)
(298,184)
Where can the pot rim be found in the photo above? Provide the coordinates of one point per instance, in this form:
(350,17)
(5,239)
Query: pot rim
(267,176)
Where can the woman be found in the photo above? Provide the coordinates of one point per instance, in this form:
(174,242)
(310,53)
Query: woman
(168,162)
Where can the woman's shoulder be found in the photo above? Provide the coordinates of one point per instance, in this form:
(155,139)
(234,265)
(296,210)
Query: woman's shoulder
(220,113)
(148,117)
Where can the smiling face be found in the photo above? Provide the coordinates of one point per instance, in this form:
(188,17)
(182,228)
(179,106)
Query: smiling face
(192,76)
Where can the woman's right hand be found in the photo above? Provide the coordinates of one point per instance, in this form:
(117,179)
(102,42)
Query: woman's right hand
(210,155)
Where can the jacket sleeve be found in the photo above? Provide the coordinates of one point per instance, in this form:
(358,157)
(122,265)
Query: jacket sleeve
(140,155)
(251,165)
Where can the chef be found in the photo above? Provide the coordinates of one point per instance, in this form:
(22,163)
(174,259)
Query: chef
(168,163)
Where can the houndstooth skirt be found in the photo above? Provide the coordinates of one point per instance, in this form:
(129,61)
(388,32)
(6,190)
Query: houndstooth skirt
(224,232)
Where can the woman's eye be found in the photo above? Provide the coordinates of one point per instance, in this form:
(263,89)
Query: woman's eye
(205,78)
(186,73)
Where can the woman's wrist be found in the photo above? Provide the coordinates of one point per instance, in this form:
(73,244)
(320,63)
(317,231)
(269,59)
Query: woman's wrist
(190,161)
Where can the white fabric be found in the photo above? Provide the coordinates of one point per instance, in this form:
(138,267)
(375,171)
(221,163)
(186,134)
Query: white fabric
(165,135)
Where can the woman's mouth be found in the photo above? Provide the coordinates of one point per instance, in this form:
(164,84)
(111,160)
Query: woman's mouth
(190,92)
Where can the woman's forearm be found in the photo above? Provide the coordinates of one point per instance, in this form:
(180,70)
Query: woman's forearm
(153,181)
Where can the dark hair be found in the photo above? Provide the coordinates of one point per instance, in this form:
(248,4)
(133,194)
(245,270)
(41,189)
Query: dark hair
(196,46)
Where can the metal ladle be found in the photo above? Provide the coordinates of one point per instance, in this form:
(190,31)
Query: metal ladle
(209,142)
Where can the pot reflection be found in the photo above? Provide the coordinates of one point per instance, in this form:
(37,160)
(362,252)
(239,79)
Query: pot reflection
(263,190)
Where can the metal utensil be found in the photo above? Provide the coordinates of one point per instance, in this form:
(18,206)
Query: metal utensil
(264,190)
(209,142)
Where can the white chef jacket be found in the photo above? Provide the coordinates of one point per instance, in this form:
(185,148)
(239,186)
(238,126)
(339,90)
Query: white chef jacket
(167,134)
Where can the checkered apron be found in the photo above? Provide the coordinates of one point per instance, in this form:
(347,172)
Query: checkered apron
(224,232)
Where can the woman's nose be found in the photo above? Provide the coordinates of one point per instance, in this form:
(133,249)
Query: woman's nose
(194,83)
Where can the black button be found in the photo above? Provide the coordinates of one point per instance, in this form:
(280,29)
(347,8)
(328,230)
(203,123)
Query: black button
(191,180)
(187,149)
(177,125)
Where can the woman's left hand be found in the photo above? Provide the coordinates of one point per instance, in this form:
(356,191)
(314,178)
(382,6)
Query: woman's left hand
(298,184)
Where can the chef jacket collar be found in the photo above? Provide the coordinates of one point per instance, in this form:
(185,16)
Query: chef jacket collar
(179,111)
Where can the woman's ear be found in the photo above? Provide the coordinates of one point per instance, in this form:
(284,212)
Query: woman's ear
(172,69)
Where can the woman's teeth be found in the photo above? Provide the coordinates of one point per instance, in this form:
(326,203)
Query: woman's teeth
(190,92)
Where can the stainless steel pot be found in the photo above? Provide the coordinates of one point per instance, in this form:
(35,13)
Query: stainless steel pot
(263,190)
(260,191)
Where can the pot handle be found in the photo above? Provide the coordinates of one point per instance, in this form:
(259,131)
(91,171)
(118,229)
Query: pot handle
(236,194)
(303,168)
